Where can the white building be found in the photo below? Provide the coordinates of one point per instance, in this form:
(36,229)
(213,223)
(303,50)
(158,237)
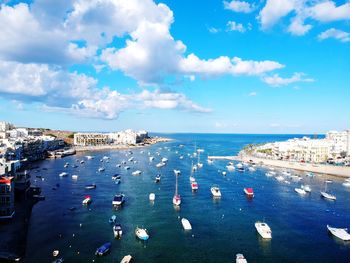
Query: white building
(5,126)
(85,139)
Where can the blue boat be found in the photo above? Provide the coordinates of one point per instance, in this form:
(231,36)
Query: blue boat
(118,200)
(104,249)
(59,260)
(113,219)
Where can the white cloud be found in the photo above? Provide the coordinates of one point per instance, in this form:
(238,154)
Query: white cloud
(298,28)
(336,34)
(277,81)
(252,94)
(234,26)
(239,6)
(327,11)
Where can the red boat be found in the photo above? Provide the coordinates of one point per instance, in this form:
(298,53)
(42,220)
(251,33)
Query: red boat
(249,192)
(194,186)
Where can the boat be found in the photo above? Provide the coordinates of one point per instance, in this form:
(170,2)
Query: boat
(151,159)
(104,249)
(117,230)
(160,165)
(279,178)
(186,224)
(177,172)
(240,169)
(55,253)
(152,196)
(177,197)
(325,194)
(118,199)
(192,179)
(63,174)
(105,158)
(66,165)
(131,159)
(87,200)
(210,161)
(215,190)
(127,167)
(112,219)
(300,191)
(89,157)
(90,186)
(75,177)
(341,233)
(141,233)
(137,172)
(264,230)
(117,181)
(199,164)
(240,258)
(306,188)
(164,160)
(157,180)
(82,161)
(249,192)
(101,169)
(59,260)
(116,176)
(346,184)
(194,186)
(239,165)
(118,165)
(224,173)
(270,173)
(230,167)
(126,259)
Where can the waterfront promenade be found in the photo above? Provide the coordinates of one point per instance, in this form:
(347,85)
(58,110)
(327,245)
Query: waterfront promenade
(339,171)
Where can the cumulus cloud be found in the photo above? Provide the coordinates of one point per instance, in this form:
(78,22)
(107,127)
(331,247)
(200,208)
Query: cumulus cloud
(327,11)
(336,34)
(239,6)
(234,26)
(277,81)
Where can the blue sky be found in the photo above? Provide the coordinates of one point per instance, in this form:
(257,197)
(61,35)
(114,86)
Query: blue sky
(176,66)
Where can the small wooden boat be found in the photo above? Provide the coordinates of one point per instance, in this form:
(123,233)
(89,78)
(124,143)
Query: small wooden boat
(240,258)
(249,192)
(341,233)
(186,224)
(141,233)
(117,230)
(126,259)
(104,249)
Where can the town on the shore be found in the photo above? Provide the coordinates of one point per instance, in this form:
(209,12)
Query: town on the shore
(20,147)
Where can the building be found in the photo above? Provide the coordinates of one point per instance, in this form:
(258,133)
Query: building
(85,139)
(128,137)
(7,198)
(5,126)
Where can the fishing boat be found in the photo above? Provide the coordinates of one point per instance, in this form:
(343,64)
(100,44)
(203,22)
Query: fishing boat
(90,186)
(152,197)
(186,224)
(215,191)
(118,199)
(104,249)
(87,200)
(141,233)
(240,258)
(116,176)
(264,230)
(112,219)
(63,174)
(126,259)
(101,169)
(137,172)
(249,192)
(341,233)
(300,191)
(325,194)
(194,186)
(177,197)
(117,231)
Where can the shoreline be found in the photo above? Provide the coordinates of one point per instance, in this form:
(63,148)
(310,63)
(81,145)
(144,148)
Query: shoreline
(338,171)
(148,142)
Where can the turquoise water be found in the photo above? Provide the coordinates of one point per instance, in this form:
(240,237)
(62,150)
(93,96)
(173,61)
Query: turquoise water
(221,228)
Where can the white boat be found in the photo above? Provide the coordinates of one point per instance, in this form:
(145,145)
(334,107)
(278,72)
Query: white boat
(66,165)
(215,190)
(230,167)
(137,172)
(270,174)
(264,230)
(101,169)
(251,169)
(117,231)
(326,194)
(89,157)
(131,159)
(55,253)
(307,188)
(141,233)
(300,191)
(75,177)
(126,259)
(164,160)
(341,233)
(224,173)
(151,158)
(177,172)
(240,259)
(346,184)
(87,200)
(186,224)
(210,161)
(152,196)
(177,197)
(127,167)
(279,178)
(239,165)
(63,174)
(161,164)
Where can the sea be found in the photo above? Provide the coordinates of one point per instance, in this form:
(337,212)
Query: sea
(221,228)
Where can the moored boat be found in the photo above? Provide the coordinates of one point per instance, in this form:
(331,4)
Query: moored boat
(157,180)
(118,199)
(186,224)
(101,169)
(240,258)
(215,190)
(75,177)
(104,249)
(264,230)
(152,197)
(112,219)
(300,191)
(137,172)
(328,196)
(141,233)
(63,174)
(341,233)
(249,191)
(126,259)
(116,176)
(87,200)
(117,231)
(160,165)
(194,186)
(90,186)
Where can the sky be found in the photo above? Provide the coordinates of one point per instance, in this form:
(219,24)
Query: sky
(274,66)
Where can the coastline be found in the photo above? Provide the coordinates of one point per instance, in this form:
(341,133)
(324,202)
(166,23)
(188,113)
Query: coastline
(146,143)
(338,171)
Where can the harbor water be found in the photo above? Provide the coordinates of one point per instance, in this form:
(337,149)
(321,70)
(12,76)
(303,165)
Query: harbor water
(221,228)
